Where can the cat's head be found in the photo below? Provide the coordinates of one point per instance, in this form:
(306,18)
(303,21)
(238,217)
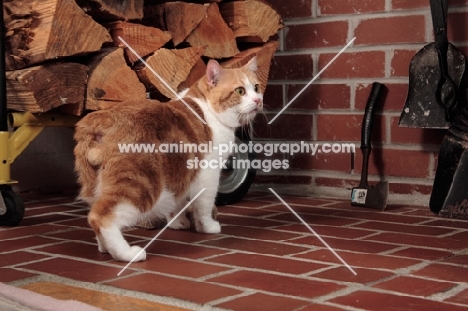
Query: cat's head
(235,95)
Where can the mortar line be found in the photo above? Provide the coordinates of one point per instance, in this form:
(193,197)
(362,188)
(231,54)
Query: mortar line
(313,79)
(313,231)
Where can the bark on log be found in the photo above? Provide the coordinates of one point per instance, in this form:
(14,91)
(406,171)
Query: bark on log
(153,16)
(111,80)
(49,29)
(42,88)
(142,39)
(251,18)
(172,66)
(214,34)
(156,2)
(113,10)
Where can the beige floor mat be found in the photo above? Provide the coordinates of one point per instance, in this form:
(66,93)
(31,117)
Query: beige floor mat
(98,299)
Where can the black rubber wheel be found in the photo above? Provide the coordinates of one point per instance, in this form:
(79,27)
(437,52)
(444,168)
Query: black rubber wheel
(13,212)
(235,182)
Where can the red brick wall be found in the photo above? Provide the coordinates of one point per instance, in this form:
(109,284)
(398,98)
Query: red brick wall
(388,34)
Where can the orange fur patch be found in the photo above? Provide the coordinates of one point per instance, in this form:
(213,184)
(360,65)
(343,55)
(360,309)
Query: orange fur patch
(137,177)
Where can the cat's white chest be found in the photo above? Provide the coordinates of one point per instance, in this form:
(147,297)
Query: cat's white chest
(221,135)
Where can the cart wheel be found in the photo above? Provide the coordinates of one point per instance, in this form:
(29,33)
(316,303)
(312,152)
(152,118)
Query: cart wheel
(12,207)
(235,181)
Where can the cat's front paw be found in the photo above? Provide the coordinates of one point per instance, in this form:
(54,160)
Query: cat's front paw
(208,226)
(136,253)
(139,252)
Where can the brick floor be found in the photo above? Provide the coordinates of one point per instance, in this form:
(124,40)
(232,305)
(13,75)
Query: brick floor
(265,259)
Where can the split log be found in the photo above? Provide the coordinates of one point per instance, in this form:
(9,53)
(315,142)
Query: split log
(264,55)
(172,66)
(175,37)
(181,18)
(111,80)
(18,17)
(48,29)
(198,71)
(251,18)
(113,10)
(214,34)
(142,39)
(42,88)
(153,16)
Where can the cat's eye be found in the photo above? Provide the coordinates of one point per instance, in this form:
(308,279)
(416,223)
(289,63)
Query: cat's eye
(257,88)
(240,91)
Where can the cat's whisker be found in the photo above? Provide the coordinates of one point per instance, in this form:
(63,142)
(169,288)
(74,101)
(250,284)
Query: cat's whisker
(251,130)
(239,118)
(263,113)
(252,133)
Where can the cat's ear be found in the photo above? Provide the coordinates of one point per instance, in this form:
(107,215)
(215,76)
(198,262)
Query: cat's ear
(252,64)
(213,72)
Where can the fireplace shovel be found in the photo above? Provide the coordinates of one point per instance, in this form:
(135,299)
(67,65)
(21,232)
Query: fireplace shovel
(365,195)
(435,74)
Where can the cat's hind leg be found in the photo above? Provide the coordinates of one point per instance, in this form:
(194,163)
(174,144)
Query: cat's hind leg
(169,206)
(107,217)
(181,223)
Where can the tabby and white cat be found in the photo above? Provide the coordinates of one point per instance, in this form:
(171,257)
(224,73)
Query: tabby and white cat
(125,189)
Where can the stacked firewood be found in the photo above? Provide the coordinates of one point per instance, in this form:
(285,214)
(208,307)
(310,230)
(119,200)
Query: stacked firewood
(78,55)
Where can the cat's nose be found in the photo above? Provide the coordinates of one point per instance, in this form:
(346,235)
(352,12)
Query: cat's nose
(257,100)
